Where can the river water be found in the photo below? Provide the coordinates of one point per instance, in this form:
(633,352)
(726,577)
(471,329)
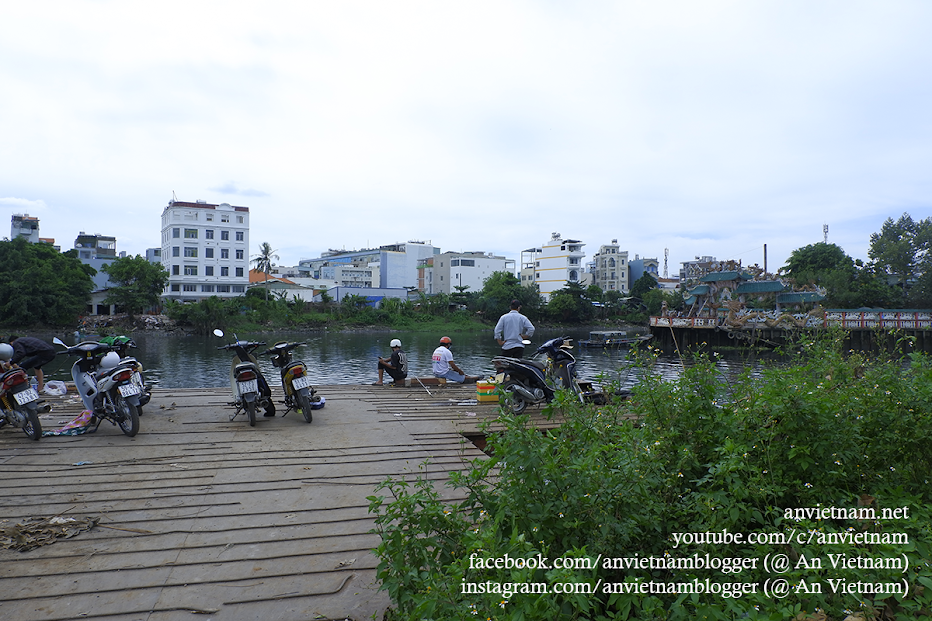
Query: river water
(350,357)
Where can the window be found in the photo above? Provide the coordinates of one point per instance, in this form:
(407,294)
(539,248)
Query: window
(176,287)
(209,234)
(189,287)
(207,288)
(239,272)
(190,270)
(574,275)
(468,262)
(239,236)
(190,233)
(239,288)
(454,262)
(239,219)
(208,270)
(176,233)
(210,218)
(224,271)
(224,217)
(225,235)
(209,253)
(176,251)
(176,270)
(223,288)
(224,253)
(190,252)
(239,254)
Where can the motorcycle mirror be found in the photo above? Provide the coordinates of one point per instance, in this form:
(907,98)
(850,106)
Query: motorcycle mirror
(58,341)
(218,332)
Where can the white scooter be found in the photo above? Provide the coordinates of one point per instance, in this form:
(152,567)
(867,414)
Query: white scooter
(106,386)
(250,389)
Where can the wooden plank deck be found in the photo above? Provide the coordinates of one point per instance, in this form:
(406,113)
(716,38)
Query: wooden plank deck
(200,514)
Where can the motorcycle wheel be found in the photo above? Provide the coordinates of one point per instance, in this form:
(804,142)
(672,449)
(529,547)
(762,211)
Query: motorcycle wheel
(304,404)
(251,413)
(32,428)
(513,401)
(126,414)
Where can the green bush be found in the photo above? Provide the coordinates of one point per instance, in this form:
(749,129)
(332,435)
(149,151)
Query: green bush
(700,454)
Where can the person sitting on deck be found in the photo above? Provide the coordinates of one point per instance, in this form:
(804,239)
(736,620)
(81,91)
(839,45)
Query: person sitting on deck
(396,366)
(443,365)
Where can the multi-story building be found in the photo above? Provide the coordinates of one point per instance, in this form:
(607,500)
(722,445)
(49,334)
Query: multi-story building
(95,246)
(359,276)
(637,267)
(394,266)
(692,271)
(205,249)
(444,272)
(610,268)
(24,225)
(529,259)
(560,261)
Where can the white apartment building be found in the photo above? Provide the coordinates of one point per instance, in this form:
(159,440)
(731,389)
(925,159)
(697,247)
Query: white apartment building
(610,268)
(205,249)
(444,272)
(558,262)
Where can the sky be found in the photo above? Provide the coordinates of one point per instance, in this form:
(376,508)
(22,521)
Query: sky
(701,127)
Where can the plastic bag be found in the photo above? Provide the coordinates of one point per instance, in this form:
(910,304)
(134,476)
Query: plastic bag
(55,387)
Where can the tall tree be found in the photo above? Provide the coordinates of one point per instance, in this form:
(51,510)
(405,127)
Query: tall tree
(39,285)
(642,285)
(499,289)
(137,283)
(901,248)
(815,258)
(263,263)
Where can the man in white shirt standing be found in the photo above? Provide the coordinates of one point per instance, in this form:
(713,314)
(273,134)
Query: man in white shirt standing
(443,365)
(511,331)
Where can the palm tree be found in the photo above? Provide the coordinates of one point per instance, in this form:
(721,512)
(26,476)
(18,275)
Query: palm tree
(263,262)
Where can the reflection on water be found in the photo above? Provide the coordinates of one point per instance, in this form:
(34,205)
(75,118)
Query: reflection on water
(350,358)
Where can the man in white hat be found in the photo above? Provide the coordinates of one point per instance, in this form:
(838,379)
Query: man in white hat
(396,365)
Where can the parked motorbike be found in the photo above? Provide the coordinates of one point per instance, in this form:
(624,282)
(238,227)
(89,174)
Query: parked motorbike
(19,403)
(299,394)
(121,345)
(105,384)
(535,380)
(250,389)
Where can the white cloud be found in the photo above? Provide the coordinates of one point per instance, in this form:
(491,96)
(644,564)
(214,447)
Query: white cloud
(707,128)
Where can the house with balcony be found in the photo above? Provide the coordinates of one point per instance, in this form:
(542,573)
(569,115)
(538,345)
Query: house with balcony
(559,261)
(610,268)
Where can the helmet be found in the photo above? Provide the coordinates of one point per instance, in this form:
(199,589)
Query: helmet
(445,340)
(6,351)
(110,360)
(395,343)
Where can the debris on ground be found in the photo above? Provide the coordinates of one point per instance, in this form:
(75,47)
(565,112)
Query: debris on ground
(37,531)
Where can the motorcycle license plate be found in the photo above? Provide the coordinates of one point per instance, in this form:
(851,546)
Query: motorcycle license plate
(300,382)
(26,396)
(248,386)
(128,390)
